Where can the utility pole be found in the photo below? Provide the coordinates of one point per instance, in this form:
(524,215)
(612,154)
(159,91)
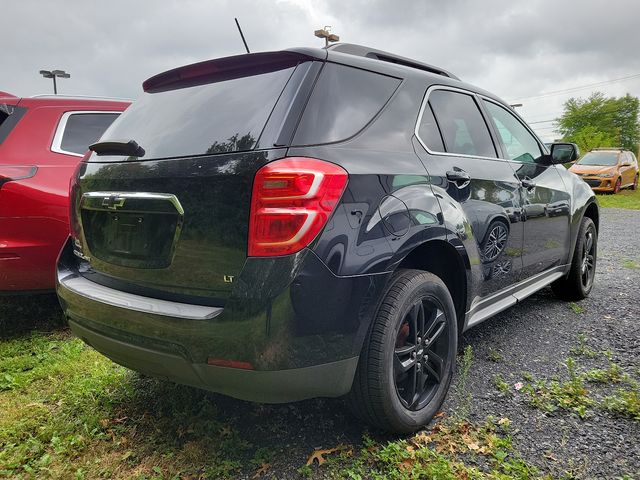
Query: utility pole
(327,35)
(53,74)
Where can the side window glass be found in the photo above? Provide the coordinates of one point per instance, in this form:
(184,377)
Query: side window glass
(463,128)
(83,129)
(520,145)
(429,132)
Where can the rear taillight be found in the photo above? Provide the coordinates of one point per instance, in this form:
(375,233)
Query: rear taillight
(291,203)
(74,224)
(10,173)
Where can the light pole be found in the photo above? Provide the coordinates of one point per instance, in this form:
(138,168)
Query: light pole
(53,74)
(327,35)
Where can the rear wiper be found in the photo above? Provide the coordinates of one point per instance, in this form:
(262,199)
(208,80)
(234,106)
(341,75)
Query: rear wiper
(118,147)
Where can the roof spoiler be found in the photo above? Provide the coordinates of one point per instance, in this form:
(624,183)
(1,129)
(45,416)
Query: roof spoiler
(362,51)
(220,69)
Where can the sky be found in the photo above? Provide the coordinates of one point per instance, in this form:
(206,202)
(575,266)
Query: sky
(522,51)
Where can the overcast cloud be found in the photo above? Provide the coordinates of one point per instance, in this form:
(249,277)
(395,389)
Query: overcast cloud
(514,49)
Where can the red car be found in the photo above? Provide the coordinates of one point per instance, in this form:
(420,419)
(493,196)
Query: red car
(42,139)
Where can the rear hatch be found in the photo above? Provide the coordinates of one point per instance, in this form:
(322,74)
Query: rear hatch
(168,218)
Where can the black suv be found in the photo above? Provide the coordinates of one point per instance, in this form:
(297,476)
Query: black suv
(317,222)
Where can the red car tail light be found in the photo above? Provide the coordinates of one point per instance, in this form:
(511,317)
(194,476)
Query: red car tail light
(74,223)
(10,173)
(291,203)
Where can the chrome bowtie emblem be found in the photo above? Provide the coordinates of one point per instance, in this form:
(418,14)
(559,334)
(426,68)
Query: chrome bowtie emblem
(113,202)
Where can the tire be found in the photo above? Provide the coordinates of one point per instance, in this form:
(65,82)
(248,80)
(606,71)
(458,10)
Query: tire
(579,282)
(381,394)
(634,185)
(618,185)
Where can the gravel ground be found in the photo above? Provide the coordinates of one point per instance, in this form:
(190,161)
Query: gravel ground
(535,336)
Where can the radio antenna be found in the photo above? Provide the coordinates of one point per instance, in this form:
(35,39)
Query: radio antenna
(242,35)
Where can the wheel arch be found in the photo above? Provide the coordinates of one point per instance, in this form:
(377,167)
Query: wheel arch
(438,257)
(592,211)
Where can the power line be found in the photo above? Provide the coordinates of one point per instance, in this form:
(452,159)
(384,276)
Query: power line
(581,87)
(542,121)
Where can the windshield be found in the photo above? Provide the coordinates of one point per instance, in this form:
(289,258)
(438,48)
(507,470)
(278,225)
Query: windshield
(599,158)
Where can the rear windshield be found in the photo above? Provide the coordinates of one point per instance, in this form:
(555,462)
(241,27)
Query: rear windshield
(10,115)
(599,158)
(226,116)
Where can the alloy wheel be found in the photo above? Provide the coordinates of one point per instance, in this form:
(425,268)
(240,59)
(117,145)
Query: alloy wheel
(587,270)
(420,353)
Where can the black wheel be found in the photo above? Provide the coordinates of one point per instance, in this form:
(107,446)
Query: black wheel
(578,283)
(408,358)
(495,240)
(634,186)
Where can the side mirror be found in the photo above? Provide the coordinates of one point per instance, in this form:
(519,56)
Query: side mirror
(564,153)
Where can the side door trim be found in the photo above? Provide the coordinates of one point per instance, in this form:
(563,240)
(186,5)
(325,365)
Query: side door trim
(487,307)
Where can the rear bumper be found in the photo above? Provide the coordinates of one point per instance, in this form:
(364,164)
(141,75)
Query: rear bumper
(298,334)
(327,380)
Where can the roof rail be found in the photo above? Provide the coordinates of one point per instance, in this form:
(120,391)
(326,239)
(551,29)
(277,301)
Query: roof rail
(82,97)
(607,148)
(362,51)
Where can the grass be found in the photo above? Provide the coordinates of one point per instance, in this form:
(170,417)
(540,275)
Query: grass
(629,199)
(69,412)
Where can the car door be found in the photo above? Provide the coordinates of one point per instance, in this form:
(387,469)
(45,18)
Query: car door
(478,192)
(545,200)
(627,169)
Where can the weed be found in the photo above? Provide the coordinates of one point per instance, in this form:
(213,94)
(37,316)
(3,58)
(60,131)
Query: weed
(612,374)
(501,385)
(495,356)
(575,308)
(571,395)
(631,264)
(625,402)
(462,392)
(582,348)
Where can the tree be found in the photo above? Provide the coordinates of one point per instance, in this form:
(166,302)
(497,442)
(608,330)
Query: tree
(600,121)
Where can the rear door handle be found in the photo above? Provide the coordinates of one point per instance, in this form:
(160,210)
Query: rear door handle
(459,177)
(528,183)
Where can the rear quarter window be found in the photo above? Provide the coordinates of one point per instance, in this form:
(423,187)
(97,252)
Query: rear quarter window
(79,130)
(344,100)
